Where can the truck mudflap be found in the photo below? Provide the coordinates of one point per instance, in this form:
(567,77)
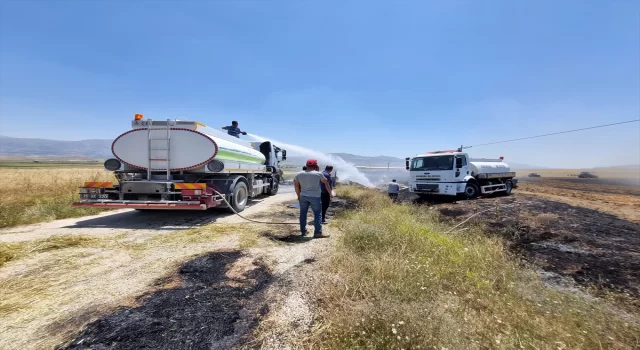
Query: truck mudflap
(169,205)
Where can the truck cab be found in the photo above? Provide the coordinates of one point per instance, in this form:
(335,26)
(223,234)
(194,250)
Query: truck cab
(454,173)
(441,172)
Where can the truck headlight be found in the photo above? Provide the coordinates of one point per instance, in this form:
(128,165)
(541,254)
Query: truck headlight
(215,166)
(112,164)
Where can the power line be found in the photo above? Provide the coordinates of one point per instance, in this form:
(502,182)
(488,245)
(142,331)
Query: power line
(555,133)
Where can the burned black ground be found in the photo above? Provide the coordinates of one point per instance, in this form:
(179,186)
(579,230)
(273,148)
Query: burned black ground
(595,249)
(207,310)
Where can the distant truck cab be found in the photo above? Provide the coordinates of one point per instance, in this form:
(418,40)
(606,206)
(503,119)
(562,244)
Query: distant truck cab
(453,173)
(587,175)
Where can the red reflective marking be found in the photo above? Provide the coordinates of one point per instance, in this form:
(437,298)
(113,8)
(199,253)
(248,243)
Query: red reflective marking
(139,206)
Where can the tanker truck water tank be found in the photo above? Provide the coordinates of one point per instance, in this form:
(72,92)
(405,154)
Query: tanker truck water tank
(187,149)
(479,167)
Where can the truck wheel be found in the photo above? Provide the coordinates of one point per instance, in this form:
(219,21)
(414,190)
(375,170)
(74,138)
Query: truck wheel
(471,191)
(509,186)
(273,190)
(240,197)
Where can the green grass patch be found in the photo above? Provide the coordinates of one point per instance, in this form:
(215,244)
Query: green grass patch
(396,281)
(248,240)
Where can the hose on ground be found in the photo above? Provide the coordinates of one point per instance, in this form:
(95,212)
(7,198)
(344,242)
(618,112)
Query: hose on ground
(469,218)
(251,220)
(297,223)
(474,215)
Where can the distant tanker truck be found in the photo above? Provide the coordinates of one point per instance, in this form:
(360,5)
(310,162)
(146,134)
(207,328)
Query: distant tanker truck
(177,164)
(454,173)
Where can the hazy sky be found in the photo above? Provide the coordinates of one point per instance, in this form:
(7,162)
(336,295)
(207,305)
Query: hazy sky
(365,77)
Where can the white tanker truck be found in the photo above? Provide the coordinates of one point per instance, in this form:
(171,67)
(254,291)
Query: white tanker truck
(453,173)
(177,164)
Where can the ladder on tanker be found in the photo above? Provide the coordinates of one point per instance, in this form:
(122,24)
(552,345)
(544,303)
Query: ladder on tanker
(159,149)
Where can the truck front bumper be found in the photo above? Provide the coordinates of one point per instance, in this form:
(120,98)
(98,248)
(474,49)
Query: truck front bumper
(444,189)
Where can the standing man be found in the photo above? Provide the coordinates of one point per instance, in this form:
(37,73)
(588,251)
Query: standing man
(280,175)
(234,130)
(393,190)
(326,195)
(307,185)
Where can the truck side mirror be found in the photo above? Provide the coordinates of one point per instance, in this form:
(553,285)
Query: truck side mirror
(406,163)
(284,154)
(458,163)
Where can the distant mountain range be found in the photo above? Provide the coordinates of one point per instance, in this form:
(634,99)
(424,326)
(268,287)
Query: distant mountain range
(101,149)
(19,147)
(383,161)
(620,167)
(370,161)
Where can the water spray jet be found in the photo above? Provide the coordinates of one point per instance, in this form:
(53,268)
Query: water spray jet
(348,172)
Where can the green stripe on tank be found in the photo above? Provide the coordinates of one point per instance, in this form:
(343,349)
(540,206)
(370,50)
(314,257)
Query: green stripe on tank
(225,154)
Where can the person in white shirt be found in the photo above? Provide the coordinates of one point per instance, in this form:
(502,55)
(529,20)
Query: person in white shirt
(307,185)
(393,190)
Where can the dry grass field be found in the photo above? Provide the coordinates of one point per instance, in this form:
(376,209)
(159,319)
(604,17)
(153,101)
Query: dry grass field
(397,281)
(53,284)
(398,277)
(37,194)
(615,176)
(620,201)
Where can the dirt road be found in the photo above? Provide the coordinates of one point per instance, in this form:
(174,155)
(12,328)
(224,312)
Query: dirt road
(138,277)
(139,224)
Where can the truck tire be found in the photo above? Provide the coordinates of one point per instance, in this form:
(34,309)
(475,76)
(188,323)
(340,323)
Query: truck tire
(240,197)
(509,185)
(273,189)
(471,191)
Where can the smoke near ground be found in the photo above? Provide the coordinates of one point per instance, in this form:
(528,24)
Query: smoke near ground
(384,176)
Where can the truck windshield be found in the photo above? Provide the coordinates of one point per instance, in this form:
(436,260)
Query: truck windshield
(432,163)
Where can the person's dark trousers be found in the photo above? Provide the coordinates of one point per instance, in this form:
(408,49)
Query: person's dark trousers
(393,196)
(326,200)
